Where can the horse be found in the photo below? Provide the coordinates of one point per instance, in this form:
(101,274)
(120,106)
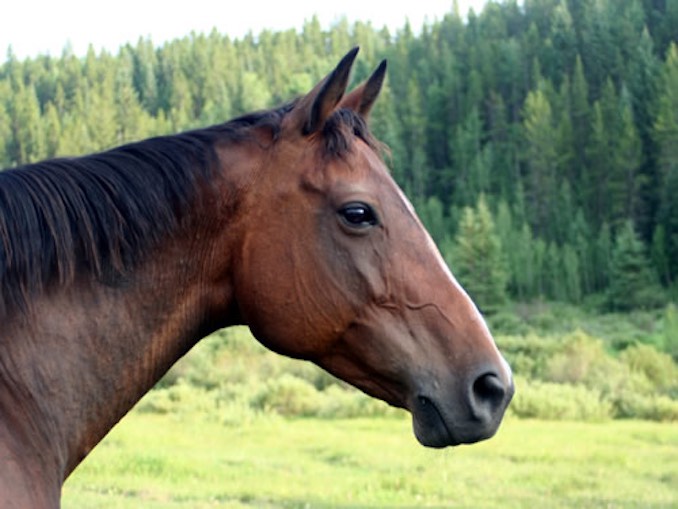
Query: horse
(115,264)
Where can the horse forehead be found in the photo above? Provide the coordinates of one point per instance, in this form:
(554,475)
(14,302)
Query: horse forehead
(362,164)
(353,172)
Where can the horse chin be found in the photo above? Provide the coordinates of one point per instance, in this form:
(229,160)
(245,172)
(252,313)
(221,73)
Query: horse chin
(429,426)
(432,429)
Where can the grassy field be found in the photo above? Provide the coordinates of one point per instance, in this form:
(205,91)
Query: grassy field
(153,461)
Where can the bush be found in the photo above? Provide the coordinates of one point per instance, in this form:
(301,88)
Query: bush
(552,401)
(338,403)
(181,398)
(583,360)
(669,330)
(629,404)
(576,378)
(291,396)
(238,413)
(318,377)
(508,323)
(656,366)
(581,355)
(528,355)
(220,358)
(288,396)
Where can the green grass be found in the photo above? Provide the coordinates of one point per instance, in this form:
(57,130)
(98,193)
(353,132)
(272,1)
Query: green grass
(153,461)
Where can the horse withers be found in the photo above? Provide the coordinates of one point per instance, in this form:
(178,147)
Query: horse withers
(113,265)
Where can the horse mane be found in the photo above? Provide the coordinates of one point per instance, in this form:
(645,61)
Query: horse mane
(341,129)
(102,213)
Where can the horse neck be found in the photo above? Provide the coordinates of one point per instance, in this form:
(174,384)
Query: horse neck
(84,355)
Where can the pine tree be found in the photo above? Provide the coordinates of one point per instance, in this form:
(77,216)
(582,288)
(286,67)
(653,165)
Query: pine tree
(28,138)
(505,167)
(583,243)
(633,284)
(563,37)
(554,280)
(52,130)
(642,72)
(572,274)
(666,136)
(5,133)
(602,257)
(626,161)
(659,254)
(479,261)
(541,267)
(600,51)
(523,267)
(580,118)
(413,123)
(128,112)
(566,157)
(145,80)
(470,173)
(75,133)
(542,140)
(606,177)
(432,215)
(105,119)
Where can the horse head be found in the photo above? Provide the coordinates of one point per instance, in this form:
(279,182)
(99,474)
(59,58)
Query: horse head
(337,268)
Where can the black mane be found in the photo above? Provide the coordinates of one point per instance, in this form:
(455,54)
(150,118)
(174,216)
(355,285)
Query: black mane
(341,129)
(101,214)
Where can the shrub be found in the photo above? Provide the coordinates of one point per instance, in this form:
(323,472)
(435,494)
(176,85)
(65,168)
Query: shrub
(292,396)
(552,401)
(528,355)
(180,398)
(338,403)
(629,404)
(669,330)
(581,360)
(584,361)
(288,395)
(238,413)
(308,371)
(656,366)
(507,322)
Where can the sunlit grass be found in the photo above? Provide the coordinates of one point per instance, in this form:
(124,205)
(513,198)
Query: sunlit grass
(154,461)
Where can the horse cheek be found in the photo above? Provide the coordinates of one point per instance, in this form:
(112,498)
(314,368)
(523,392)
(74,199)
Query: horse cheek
(272,296)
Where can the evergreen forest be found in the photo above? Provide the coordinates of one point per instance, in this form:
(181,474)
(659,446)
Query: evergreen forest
(538,140)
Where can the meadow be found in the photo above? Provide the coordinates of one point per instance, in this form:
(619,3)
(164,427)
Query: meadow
(161,461)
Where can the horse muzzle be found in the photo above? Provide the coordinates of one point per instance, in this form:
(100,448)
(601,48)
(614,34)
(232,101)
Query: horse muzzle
(469,415)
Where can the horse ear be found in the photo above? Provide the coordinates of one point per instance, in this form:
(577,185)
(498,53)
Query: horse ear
(314,109)
(362,98)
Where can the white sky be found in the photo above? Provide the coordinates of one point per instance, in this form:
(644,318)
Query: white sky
(35,27)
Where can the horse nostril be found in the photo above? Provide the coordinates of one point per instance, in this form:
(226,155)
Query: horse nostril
(489,393)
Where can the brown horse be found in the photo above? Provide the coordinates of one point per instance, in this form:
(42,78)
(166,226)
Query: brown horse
(115,264)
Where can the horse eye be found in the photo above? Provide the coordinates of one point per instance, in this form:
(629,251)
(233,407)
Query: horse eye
(358,215)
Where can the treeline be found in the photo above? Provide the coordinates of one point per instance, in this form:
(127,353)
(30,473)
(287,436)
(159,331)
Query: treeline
(538,141)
